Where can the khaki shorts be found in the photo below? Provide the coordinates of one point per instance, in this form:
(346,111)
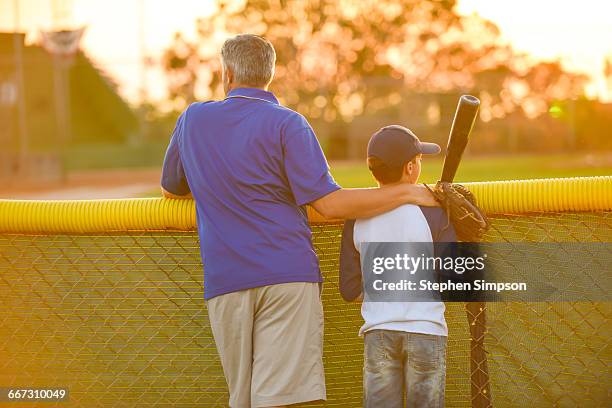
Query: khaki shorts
(270,340)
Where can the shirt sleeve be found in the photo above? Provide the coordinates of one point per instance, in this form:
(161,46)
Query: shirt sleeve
(173,177)
(305,165)
(441,228)
(350,265)
(445,246)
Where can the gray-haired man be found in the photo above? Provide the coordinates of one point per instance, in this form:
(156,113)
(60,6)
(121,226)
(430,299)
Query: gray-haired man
(252,166)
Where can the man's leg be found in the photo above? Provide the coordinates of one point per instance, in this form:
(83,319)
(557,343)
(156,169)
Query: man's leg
(231,320)
(383,375)
(287,345)
(425,370)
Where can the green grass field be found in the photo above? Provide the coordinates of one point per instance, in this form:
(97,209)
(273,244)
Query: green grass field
(491,168)
(356,174)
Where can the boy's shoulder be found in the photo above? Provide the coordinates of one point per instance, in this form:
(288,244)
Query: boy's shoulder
(406,213)
(413,216)
(405,223)
(394,224)
(402,213)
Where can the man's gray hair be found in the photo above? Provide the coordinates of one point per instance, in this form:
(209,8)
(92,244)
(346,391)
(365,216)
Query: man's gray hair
(251,59)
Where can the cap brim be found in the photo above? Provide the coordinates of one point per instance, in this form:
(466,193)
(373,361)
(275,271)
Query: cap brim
(429,148)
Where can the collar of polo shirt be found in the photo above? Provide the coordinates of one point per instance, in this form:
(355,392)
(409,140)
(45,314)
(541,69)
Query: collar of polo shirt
(252,93)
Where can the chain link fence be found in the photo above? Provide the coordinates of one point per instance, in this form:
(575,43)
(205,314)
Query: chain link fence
(119,319)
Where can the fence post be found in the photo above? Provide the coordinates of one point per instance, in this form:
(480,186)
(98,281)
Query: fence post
(479,371)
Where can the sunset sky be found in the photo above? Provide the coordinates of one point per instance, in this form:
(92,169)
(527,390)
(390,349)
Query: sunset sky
(578,33)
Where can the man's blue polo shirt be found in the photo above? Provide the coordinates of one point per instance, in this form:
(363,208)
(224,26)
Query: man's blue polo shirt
(251,165)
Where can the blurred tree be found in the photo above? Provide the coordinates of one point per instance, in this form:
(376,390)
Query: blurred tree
(158,123)
(340,58)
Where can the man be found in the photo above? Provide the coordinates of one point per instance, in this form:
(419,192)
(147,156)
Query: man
(252,165)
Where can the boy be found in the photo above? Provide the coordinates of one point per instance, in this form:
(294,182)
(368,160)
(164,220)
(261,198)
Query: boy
(405,342)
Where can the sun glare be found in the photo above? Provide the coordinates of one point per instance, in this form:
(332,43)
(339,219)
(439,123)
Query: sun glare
(577,33)
(127,37)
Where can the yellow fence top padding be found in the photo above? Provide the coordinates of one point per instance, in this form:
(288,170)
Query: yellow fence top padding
(90,216)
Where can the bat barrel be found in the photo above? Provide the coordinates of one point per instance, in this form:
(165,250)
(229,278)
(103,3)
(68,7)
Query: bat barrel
(465,116)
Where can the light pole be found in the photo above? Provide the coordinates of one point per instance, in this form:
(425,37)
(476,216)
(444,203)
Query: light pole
(63,46)
(21,105)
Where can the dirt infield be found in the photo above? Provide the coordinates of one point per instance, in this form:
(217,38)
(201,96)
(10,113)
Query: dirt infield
(91,184)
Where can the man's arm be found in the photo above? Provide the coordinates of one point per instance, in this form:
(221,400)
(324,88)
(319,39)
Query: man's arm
(311,183)
(351,203)
(173,180)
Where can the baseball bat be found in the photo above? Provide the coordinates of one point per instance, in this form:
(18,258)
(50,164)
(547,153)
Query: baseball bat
(463,122)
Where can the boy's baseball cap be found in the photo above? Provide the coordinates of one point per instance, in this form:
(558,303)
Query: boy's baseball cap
(396,145)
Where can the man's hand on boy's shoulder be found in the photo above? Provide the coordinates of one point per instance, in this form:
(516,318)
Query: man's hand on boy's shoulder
(418,194)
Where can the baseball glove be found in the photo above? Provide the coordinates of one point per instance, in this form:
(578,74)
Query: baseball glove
(460,205)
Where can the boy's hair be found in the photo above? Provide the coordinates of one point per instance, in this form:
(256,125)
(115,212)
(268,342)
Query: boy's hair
(383,173)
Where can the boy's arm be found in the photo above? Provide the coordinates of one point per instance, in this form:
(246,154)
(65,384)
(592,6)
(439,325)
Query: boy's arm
(350,266)
(444,244)
(441,228)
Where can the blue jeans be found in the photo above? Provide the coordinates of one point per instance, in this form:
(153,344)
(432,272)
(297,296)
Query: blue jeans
(400,363)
